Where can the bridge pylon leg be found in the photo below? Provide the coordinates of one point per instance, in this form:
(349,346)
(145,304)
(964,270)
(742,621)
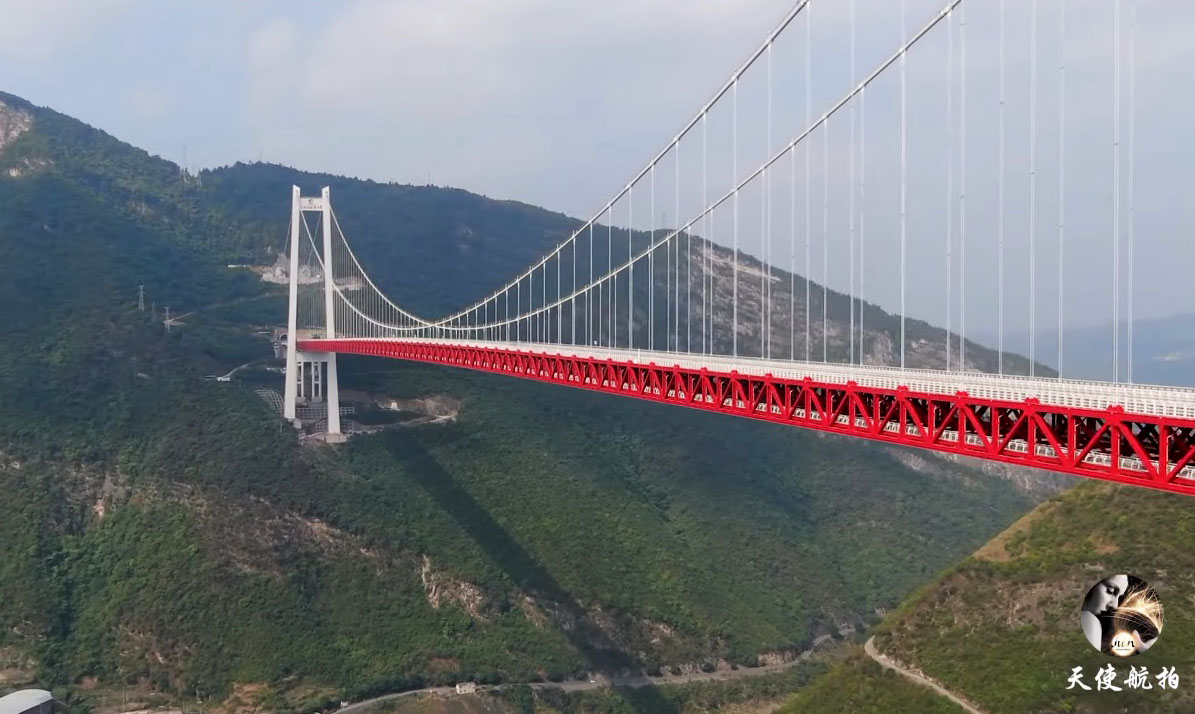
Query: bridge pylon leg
(291,390)
(332,395)
(311,376)
(332,387)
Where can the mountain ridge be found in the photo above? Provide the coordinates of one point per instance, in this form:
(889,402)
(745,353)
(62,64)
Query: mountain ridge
(1001,627)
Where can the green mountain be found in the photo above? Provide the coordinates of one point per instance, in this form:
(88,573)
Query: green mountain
(858,685)
(169,534)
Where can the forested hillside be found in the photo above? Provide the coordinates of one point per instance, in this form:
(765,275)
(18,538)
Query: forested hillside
(1002,628)
(170,534)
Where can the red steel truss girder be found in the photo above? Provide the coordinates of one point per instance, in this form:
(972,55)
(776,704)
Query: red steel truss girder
(1138,449)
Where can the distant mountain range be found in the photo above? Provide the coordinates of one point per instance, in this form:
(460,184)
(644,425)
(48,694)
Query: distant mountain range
(1163,350)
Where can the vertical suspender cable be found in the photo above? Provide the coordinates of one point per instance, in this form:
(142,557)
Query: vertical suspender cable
(1116,192)
(792,254)
(1000,211)
(1032,187)
(962,214)
(808,156)
(765,283)
(676,281)
(573,301)
(1132,178)
(612,327)
(612,298)
(556,298)
(706,244)
(688,267)
(734,300)
(765,234)
(903,181)
(949,183)
(630,269)
(589,294)
(1061,171)
(851,206)
(667,304)
(651,263)
(862,207)
(825,238)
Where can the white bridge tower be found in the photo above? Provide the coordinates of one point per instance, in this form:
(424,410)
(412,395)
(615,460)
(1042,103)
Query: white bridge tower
(311,376)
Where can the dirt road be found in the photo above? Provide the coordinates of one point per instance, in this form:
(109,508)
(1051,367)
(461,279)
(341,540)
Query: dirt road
(888,663)
(600,682)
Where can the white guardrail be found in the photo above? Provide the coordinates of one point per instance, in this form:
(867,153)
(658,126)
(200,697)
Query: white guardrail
(1146,399)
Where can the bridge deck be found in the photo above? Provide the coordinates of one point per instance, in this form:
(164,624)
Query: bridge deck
(1075,394)
(1138,434)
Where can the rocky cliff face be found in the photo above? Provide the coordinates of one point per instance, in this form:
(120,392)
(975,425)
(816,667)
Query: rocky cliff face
(13,123)
(772,317)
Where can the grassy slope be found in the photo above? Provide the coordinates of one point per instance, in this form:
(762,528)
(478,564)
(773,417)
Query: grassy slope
(1002,628)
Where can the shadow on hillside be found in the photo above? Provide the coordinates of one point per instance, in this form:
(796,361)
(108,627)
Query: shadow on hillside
(600,653)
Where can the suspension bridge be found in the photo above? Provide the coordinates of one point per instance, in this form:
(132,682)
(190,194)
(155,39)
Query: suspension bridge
(798,165)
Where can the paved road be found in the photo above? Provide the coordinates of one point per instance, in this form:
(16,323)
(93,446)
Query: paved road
(238,369)
(888,663)
(600,682)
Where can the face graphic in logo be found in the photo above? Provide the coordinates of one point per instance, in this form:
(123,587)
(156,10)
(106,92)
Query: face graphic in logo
(1121,615)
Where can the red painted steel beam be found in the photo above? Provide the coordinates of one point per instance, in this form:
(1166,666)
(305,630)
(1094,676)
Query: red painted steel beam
(1111,445)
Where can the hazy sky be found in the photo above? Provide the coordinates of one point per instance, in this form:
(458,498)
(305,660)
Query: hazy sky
(557,103)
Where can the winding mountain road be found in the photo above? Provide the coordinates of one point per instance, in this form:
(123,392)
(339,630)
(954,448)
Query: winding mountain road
(600,682)
(888,663)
